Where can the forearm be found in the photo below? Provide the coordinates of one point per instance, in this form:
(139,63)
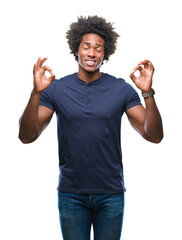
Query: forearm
(153,122)
(29,125)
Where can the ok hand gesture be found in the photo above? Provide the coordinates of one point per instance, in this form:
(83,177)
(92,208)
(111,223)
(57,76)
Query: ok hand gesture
(144,80)
(41,82)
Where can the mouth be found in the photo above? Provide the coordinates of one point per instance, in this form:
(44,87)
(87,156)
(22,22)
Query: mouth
(90,62)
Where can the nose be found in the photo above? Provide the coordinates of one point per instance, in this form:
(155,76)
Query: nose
(91,52)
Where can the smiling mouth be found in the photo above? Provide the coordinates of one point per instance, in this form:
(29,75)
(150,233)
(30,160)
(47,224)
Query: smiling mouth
(90,62)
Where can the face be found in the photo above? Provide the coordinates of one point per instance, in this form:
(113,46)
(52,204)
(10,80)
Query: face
(91,52)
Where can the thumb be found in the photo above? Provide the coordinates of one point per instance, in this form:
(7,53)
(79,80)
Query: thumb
(52,77)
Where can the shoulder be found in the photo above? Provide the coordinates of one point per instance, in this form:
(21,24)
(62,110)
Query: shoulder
(119,82)
(64,80)
(61,84)
(58,85)
(125,89)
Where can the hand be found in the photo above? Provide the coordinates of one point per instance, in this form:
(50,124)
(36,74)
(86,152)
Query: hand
(144,80)
(41,82)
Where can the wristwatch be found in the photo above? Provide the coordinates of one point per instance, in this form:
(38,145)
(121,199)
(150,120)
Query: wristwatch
(147,95)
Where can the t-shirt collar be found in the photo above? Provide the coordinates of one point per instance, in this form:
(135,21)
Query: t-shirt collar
(92,82)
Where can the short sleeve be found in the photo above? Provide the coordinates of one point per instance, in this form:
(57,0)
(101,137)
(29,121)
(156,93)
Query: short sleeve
(47,97)
(132,97)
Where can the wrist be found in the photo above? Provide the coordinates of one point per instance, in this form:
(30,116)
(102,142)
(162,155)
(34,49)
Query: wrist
(34,93)
(147,91)
(147,94)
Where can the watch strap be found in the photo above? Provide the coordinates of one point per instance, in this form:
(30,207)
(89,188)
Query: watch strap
(147,95)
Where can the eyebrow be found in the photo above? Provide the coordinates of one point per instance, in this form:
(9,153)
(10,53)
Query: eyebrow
(88,43)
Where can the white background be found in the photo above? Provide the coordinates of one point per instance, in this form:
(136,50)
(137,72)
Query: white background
(29,173)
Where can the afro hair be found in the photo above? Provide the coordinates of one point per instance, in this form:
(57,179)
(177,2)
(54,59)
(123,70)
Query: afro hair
(92,24)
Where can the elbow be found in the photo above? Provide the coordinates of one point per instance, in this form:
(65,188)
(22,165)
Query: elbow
(161,136)
(158,140)
(27,137)
(25,140)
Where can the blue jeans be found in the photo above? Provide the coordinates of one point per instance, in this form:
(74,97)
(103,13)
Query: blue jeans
(78,211)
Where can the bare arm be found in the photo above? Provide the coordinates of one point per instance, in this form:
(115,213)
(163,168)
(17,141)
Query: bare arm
(147,121)
(35,118)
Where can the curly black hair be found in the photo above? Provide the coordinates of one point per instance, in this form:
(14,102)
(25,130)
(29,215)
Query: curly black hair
(92,24)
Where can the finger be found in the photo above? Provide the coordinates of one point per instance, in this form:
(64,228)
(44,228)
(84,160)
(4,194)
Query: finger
(132,76)
(137,68)
(38,62)
(151,66)
(47,68)
(147,64)
(144,62)
(35,68)
(41,61)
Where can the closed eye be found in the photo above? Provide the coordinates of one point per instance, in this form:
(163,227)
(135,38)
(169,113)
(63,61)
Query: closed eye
(98,50)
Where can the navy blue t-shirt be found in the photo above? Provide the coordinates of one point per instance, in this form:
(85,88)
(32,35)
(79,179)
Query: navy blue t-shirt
(89,124)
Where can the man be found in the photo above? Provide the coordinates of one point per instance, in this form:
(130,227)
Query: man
(89,106)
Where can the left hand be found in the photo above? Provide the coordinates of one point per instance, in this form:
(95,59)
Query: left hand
(144,80)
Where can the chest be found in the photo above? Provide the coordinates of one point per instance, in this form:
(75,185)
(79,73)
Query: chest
(90,101)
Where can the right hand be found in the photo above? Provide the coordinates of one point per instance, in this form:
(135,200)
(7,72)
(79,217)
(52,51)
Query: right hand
(41,82)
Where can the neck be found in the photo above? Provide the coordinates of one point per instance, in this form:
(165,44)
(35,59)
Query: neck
(89,76)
